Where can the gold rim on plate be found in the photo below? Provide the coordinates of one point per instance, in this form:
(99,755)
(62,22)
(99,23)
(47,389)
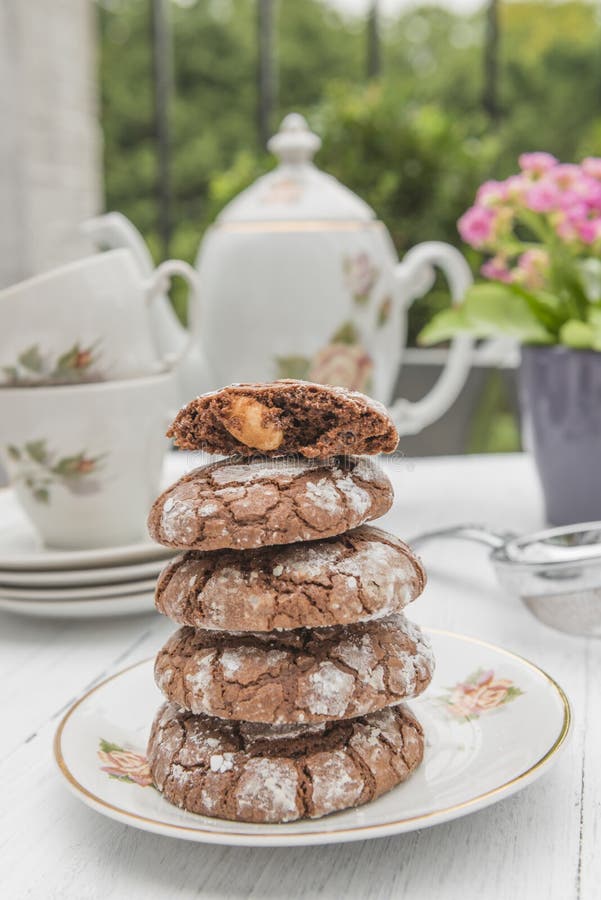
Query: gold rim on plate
(384,827)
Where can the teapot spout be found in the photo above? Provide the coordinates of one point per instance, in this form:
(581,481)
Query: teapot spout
(113,231)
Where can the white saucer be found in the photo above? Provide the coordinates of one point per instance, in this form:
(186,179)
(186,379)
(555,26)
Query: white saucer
(105,575)
(100,608)
(469,763)
(21,549)
(73,594)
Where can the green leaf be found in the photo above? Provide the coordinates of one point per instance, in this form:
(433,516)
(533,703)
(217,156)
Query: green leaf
(31,359)
(346,334)
(444,326)
(42,495)
(13,452)
(590,275)
(512,693)
(108,747)
(293,367)
(37,451)
(67,360)
(547,308)
(577,334)
(384,311)
(67,466)
(487,311)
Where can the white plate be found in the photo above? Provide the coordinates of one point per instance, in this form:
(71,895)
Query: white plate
(105,575)
(469,763)
(73,594)
(101,608)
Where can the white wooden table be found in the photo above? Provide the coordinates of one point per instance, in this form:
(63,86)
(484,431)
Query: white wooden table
(542,843)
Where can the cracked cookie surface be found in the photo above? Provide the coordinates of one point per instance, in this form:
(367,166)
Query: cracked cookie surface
(361,575)
(284,417)
(307,675)
(258,502)
(251,773)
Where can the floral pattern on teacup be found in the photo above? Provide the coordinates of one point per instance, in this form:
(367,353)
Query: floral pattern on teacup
(481,692)
(38,468)
(124,765)
(34,367)
(360,276)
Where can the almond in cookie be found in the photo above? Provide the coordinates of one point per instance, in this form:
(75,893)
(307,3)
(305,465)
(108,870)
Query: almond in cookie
(285,417)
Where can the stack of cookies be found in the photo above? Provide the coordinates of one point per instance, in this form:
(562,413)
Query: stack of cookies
(285,683)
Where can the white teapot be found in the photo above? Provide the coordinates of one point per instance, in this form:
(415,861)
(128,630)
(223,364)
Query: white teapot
(298,279)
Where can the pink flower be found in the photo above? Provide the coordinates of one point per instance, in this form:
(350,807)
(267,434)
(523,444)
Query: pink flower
(516,186)
(491,193)
(360,275)
(125,764)
(571,202)
(532,268)
(543,196)
(477,226)
(592,166)
(588,230)
(473,698)
(537,164)
(566,175)
(497,269)
(565,229)
(347,365)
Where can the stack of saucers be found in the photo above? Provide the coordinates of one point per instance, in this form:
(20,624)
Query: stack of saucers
(38,581)
(85,396)
(286,685)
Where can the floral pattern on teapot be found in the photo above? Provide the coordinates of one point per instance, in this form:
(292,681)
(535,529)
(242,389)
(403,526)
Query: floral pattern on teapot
(343,360)
(286,190)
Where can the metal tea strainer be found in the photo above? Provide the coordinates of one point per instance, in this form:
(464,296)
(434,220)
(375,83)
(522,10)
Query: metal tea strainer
(556,572)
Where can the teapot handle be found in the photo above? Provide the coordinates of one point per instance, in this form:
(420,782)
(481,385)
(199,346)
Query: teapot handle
(416,275)
(158,285)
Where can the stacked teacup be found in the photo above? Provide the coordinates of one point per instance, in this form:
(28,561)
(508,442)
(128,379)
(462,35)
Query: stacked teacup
(85,396)
(286,684)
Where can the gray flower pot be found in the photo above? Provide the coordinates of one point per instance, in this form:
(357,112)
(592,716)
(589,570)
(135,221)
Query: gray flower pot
(560,394)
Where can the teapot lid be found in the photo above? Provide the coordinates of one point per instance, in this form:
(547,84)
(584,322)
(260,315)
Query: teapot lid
(296,190)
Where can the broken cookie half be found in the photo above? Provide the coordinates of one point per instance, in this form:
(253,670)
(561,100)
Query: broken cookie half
(284,417)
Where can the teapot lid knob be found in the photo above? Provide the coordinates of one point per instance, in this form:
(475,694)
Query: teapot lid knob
(294,142)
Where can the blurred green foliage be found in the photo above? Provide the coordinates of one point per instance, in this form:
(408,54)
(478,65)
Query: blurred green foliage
(415,145)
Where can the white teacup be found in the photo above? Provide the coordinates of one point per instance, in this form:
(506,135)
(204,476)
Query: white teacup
(86,459)
(89,320)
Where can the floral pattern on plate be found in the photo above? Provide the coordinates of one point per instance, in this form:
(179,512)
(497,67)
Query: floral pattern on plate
(479,693)
(124,765)
(39,469)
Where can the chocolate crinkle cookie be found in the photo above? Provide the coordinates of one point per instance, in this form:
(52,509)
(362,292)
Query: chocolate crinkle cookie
(284,417)
(252,503)
(250,773)
(306,675)
(361,575)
